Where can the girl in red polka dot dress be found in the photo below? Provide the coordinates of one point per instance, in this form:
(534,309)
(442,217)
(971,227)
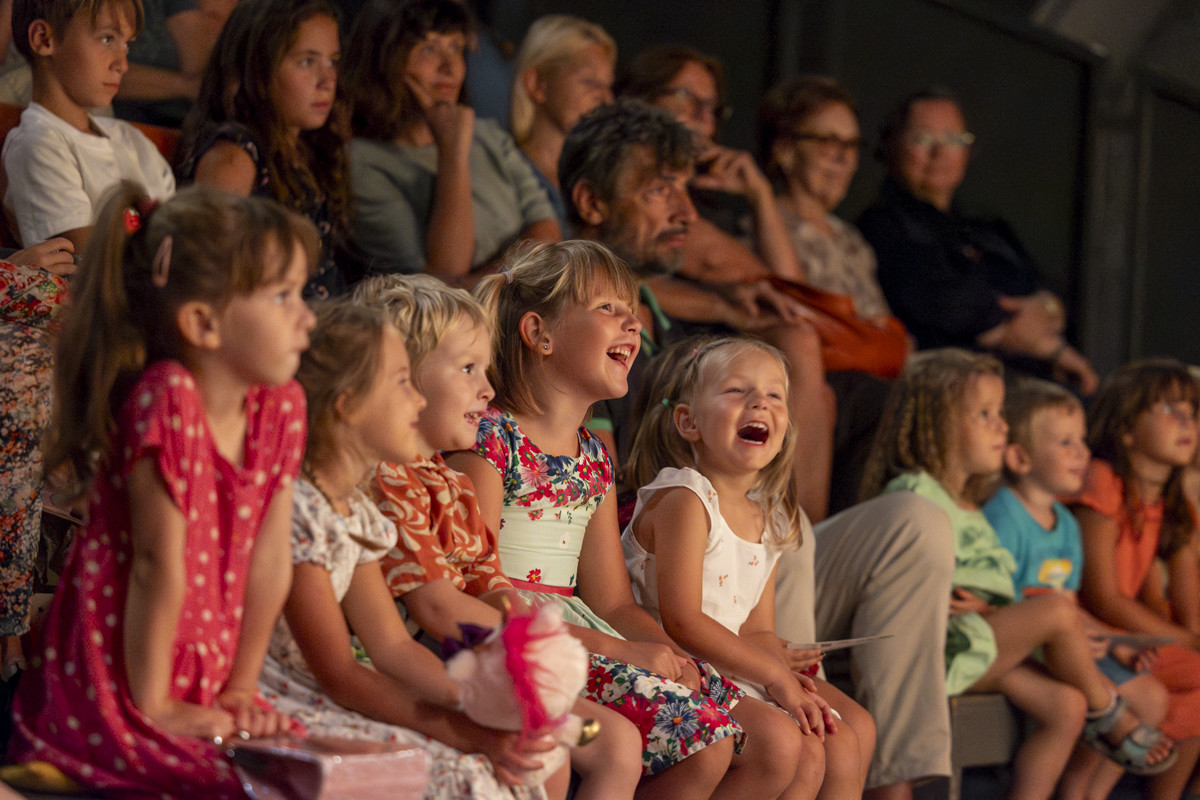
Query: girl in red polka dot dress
(178,417)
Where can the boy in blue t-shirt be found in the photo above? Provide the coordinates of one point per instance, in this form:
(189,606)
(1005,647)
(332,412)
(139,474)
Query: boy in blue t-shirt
(1046,458)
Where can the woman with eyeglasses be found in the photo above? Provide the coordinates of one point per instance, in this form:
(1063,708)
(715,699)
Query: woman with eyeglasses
(811,139)
(953,280)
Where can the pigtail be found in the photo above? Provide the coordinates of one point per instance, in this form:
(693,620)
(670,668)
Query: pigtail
(101,348)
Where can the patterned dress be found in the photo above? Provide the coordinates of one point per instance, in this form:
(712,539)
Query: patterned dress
(340,545)
(30,299)
(548,502)
(74,709)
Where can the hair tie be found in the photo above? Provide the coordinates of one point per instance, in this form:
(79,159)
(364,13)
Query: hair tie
(133,217)
(160,267)
(508,276)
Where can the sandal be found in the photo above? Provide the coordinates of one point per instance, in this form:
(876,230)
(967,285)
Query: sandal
(1134,750)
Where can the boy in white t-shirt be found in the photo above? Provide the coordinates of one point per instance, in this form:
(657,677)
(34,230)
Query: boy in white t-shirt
(60,159)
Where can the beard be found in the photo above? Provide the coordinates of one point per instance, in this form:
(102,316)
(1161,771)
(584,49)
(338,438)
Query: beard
(644,261)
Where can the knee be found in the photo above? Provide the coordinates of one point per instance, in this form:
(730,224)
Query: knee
(1068,709)
(707,767)
(1148,697)
(620,747)
(1061,611)
(843,754)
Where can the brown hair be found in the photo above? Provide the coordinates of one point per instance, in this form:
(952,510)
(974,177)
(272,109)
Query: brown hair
(789,104)
(542,278)
(1124,396)
(647,75)
(424,308)
(120,319)
(675,378)
(236,87)
(325,372)
(915,431)
(57,13)
(383,36)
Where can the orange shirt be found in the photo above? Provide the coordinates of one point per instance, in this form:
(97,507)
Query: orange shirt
(1137,541)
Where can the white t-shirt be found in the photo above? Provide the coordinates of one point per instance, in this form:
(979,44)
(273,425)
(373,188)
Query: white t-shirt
(58,174)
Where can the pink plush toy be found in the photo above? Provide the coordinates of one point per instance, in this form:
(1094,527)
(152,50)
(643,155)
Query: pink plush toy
(526,676)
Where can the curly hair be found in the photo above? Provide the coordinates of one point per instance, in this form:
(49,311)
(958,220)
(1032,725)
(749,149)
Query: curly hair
(675,378)
(543,278)
(1129,392)
(916,430)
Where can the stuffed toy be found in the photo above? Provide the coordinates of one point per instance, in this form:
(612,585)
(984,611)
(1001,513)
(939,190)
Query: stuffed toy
(524,676)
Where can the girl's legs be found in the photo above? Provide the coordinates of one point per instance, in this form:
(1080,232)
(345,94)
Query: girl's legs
(847,752)
(1178,780)
(777,761)
(1058,710)
(694,778)
(609,766)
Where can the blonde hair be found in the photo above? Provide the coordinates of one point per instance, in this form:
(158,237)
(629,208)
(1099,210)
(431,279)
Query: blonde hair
(675,378)
(542,278)
(915,432)
(326,373)
(1026,397)
(423,308)
(551,42)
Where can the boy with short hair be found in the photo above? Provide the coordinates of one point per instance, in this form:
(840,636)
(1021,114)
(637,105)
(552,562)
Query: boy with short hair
(1046,458)
(60,159)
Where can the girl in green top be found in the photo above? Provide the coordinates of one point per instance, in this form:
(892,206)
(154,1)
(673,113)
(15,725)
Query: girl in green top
(943,436)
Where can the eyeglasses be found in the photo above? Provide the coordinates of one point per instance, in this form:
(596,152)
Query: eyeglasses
(925,140)
(830,144)
(1182,411)
(697,104)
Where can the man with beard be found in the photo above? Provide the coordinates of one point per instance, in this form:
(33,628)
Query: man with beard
(883,566)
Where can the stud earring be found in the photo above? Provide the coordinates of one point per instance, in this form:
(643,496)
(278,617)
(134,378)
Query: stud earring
(545,347)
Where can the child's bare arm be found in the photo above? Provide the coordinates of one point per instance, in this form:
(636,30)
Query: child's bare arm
(1100,592)
(157,584)
(266,589)
(1184,585)
(438,607)
(227,166)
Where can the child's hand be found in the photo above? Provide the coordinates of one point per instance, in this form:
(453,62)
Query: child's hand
(189,719)
(254,717)
(1134,659)
(1098,646)
(827,714)
(511,761)
(800,660)
(689,674)
(964,600)
(657,658)
(800,703)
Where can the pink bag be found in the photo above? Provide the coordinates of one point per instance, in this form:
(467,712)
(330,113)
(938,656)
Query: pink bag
(329,768)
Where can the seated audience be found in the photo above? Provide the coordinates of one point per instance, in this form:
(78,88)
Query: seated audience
(880,565)
(564,69)
(60,159)
(269,121)
(954,280)
(434,190)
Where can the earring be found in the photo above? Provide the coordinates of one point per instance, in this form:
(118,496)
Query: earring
(545,347)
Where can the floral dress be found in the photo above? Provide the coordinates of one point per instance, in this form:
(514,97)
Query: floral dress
(30,299)
(340,544)
(548,502)
(73,708)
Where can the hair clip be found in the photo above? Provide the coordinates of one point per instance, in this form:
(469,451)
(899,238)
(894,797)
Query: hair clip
(666,403)
(160,267)
(132,221)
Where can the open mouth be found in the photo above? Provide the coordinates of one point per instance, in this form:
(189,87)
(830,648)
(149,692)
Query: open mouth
(473,417)
(754,432)
(621,353)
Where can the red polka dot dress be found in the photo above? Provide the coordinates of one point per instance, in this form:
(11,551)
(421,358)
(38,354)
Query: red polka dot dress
(74,708)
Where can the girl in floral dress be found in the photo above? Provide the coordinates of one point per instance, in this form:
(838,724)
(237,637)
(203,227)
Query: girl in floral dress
(444,565)
(362,410)
(566,335)
(177,415)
